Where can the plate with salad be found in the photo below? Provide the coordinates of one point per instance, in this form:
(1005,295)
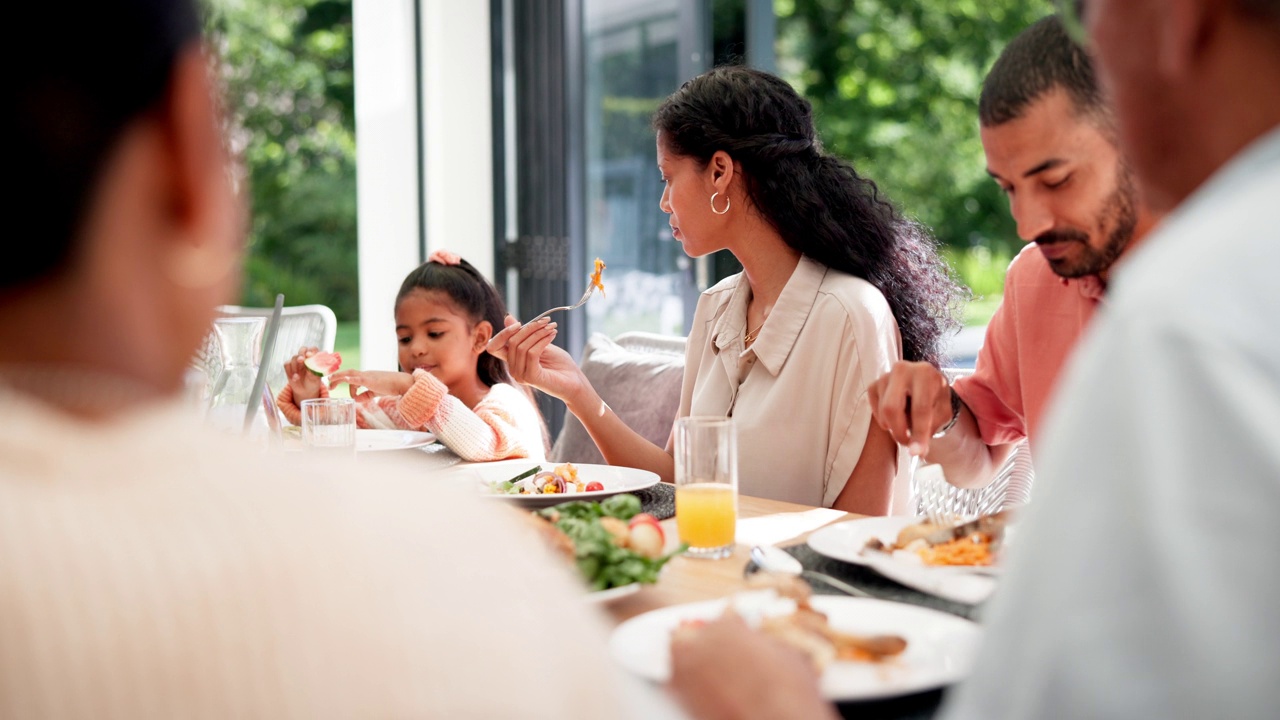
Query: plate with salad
(541,484)
(616,548)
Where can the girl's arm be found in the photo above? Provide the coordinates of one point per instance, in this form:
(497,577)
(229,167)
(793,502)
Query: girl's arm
(492,431)
(302,385)
(291,405)
(533,360)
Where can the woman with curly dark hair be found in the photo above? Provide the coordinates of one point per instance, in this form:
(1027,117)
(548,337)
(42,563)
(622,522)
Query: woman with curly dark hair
(836,286)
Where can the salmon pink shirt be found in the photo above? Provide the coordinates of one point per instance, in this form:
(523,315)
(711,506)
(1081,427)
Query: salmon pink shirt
(1028,341)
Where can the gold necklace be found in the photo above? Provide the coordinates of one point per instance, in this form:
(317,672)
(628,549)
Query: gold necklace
(750,337)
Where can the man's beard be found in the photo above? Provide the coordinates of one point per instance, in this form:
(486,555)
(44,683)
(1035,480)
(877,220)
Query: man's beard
(1119,213)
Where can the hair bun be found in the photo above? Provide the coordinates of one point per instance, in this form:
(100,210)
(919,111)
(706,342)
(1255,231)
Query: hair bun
(444,257)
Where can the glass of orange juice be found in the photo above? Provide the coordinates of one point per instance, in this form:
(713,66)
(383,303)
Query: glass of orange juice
(706,455)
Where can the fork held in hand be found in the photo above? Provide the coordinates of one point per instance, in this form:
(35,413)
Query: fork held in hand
(590,289)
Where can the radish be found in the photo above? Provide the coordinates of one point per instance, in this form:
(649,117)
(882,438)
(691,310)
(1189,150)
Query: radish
(647,537)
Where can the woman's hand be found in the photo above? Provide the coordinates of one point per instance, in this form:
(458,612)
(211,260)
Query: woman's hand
(377,382)
(533,360)
(305,384)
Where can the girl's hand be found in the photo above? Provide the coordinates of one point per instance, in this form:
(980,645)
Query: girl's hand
(378,382)
(533,360)
(306,385)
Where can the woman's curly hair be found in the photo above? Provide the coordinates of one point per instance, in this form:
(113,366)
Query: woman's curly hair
(817,202)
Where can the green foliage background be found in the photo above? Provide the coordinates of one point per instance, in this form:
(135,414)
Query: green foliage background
(287,71)
(895,85)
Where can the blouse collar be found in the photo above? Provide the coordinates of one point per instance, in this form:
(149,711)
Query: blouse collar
(778,335)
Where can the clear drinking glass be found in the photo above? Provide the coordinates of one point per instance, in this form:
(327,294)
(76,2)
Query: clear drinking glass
(706,455)
(329,425)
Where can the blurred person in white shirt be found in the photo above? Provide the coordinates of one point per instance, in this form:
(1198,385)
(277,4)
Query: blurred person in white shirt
(1144,582)
(149,568)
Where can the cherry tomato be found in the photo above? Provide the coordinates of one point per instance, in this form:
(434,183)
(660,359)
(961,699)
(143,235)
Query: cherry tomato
(594,486)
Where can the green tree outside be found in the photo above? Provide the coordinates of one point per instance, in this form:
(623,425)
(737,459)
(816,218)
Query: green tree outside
(287,71)
(895,87)
(894,84)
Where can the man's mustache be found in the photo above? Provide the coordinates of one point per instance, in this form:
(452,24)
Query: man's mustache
(1057,236)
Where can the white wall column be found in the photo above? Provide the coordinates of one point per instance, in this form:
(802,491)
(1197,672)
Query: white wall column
(458,108)
(387,172)
(450,195)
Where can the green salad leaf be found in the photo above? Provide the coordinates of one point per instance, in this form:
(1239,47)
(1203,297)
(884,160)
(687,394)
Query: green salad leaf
(601,562)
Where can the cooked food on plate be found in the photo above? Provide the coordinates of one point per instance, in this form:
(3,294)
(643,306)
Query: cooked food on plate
(612,542)
(562,480)
(779,606)
(975,543)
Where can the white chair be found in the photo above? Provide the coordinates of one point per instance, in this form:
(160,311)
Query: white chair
(1010,488)
(300,325)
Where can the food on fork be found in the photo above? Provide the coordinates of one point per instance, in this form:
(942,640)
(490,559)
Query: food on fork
(778,605)
(970,544)
(596,282)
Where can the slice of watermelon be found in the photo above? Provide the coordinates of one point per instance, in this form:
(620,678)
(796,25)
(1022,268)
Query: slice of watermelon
(324,363)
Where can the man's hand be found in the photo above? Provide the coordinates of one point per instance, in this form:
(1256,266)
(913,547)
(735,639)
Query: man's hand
(724,670)
(912,402)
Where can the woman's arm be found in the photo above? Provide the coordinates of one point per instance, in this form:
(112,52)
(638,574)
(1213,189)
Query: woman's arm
(869,490)
(619,444)
(533,360)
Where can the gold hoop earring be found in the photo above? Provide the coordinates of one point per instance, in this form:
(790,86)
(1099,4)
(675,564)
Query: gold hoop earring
(727,203)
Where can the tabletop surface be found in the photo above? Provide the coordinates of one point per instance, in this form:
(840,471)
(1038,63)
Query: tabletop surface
(687,579)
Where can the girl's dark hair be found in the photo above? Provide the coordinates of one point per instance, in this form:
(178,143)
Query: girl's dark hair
(474,295)
(817,202)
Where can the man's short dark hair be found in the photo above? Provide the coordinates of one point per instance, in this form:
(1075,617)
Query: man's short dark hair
(1040,59)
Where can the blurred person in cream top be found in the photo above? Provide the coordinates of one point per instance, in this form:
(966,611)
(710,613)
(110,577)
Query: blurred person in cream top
(154,570)
(798,393)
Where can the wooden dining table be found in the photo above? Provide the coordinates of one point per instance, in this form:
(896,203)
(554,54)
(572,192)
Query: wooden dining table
(690,579)
(686,579)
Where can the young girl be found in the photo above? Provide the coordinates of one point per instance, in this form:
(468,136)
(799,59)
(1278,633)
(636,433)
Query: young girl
(449,384)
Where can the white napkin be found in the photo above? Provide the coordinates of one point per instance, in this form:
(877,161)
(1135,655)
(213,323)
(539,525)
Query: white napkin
(774,529)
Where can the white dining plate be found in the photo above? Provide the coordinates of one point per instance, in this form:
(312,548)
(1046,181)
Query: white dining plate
(613,593)
(369,440)
(940,646)
(614,479)
(847,541)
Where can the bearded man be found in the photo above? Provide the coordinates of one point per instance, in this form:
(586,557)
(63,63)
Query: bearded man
(1050,143)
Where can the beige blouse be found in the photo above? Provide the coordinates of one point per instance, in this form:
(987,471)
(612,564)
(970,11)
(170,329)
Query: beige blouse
(798,393)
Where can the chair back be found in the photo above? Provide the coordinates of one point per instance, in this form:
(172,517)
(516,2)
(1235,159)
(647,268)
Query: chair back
(300,325)
(1010,488)
(638,374)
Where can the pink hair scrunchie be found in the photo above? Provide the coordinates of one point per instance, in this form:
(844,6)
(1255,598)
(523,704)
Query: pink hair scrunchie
(444,257)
